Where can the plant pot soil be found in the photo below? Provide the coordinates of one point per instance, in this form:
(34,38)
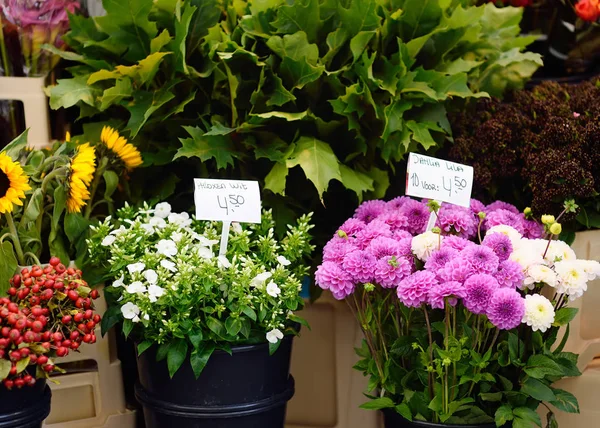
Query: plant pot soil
(247,389)
(26,407)
(394,420)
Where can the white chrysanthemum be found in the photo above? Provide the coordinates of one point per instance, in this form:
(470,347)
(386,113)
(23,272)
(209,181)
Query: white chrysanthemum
(273,289)
(424,244)
(559,251)
(512,233)
(260,279)
(157,222)
(168,265)
(162,210)
(109,240)
(540,274)
(591,268)
(526,258)
(136,267)
(136,287)
(131,311)
(283,261)
(539,312)
(151,276)
(274,335)
(572,278)
(154,292)
(166,247)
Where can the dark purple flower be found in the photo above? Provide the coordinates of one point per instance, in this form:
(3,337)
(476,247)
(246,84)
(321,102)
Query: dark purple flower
(330,276)
(500,244)
(532,229)
(391,270)
(481,259)
(479,289)
(413,290)
(452,291)
(396,203)
(417,214)
(370,210)
(477,207)
(509,274)
(506,309)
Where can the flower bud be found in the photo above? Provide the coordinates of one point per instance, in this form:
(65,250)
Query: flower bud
(446,361)
(433,205)
(436,230)
(369,287)
(555,229)
(527,212)
(342,234)
(548,219)
(481,215)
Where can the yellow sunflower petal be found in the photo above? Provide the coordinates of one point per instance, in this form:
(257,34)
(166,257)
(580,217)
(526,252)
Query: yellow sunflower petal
(126,152)
(13,183)
(83,167)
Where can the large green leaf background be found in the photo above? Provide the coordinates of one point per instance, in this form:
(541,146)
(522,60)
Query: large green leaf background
(327,92)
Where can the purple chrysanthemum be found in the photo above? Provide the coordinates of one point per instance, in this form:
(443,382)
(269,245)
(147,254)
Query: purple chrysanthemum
(438,259)
(501,205)
(383,246)
(370,210)
(330,276)
(394,219)
(412,290)
(509,274)
(373,230)
(457,221)
(352,226)
(360,265)
(451,290)
(455,270)
(506,309)
(477,207)
(396,203)
(417,214)
(479,290)
(405,246)
(481,259)
(505,217)
(336,249)
(456,242)
(401,234)
(500,244)
(532,229)
(391,270)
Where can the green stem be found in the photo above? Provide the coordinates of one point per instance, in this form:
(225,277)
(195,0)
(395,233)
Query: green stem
(33,257)
(430,336)
(93,189)
(15,239)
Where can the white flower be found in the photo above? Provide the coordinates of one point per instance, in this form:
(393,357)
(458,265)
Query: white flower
(162,210)
(118,282)
(121,230)
(223,262)
(539,312)
(572,279)
(426,243)
(591,268)
(273,290)
(205,242)
(147,228)
(526,257)
(136,267)
(136,287)
(146,317)
(131,311)
(260,279)
(558,251)
(168,265)
(274,335)
(236,227)
(154,292)
(512,233)
(540,273)
(166,247)
(283,261)
(151,276)
(182,219)
(176,236)
(109,240)
(157,222)
(205,253)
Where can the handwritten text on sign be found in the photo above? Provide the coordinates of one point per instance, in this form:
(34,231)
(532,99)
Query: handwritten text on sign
(439,179)
(227,200)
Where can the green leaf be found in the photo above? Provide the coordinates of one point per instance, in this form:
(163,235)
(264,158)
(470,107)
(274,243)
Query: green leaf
(491,396)
(176,356)
(318,162)
(249,312)
(300,15)
(144,104)
(537,390)
(68,92)
(360,16)
(13,149)
(22,364)
(404,411)
(421,133)
(355,180)
(273,347)
(199,358)
(568,363)
(565,401)
(206,147)
(162,352)
(378,404)
(196,338)
(539,366)
(111,179)
(75,226)
(110,318)
(503,415)
(207,16)
(182,26)
(279,95)
(276,178)
(142,347)
(381,182)
(216,326)
(101,75)
(32,211)
(127,327)
(5,367)
(528,415)
(160,41)
(564,316)
(233,326)
(299,320)
(359,42)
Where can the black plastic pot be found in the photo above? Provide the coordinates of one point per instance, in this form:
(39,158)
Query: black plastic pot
(248,389)
(26,407)
(394,420)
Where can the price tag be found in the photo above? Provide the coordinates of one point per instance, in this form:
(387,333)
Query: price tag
(438,179)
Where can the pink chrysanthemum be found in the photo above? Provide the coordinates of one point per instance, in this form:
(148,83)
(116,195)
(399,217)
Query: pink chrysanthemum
(401,234)
(360,265)
(505,217)
(390,270)
(481,259)
(373,230)
(352,226)
(370,210)
(383,246)
(438,259)
(413,290)
(506,309)
(396,203)
(451,290)
(336,249)
(477,207)
(509,274)
(455,270)
(456,242)
(533,229)
(405,246)
(394,219)
(501,205)
(417,214)
(479,289)
(330,276)
(457,221)
(500,244)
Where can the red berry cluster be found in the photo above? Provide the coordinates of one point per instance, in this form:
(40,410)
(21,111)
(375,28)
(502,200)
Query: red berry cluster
(49,312)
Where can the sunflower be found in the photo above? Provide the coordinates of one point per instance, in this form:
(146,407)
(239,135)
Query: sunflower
(13,184)
(128,153)
(83,167)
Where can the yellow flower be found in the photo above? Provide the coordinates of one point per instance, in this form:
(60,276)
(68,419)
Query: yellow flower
(13,184)
(83,167)
(128,153)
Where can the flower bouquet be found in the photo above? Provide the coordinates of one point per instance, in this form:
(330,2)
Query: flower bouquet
(183,302)
(461,323)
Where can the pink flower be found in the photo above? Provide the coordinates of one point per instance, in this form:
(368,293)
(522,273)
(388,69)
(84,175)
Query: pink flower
(451,290)
(505,217)
(390,270)
(51,13)
(479,290)
(481,259)
(500,244)
(413,290)
(457,221)
(394,219)
(360,265)
(417,214)
(401,234)
(456,242)
(352,226)
(477,207)
(455,270)
(330,276)
(506,309)
(370,210)
(396,203)
(576,115)
(438,259)
(500,205)
(532,229)
(336,249)
(383,246)
(373,230)
(509,274)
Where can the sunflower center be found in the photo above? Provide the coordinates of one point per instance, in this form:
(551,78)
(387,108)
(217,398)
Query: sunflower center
(4,184)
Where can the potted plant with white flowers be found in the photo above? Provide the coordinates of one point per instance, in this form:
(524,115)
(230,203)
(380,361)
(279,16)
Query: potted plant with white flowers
(213,332)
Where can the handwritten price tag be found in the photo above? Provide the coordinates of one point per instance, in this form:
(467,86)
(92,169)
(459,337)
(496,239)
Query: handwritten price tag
(227,200)
(438,179)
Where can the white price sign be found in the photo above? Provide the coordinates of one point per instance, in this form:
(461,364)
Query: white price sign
(227,200)
(438,179)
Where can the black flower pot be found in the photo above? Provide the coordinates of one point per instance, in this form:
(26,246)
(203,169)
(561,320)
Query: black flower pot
(248,389)
(26,407)
(394,420)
